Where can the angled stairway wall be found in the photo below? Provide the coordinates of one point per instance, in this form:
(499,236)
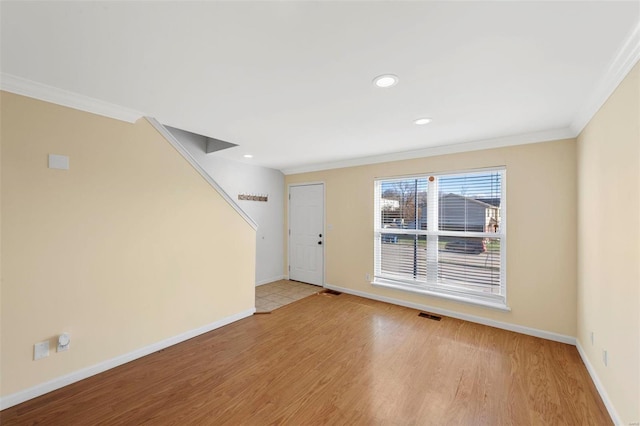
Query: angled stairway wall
(129,250)
(236,177)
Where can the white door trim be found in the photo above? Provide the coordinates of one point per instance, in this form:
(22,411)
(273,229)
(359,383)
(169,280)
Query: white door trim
(324,226)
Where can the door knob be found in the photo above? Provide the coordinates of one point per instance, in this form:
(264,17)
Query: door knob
(320,242)
(320,235)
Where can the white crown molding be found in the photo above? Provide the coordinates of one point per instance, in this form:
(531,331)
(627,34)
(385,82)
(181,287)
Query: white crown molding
(625,59)
(43,92)
(543,334)
(194,163)
(615,417)
(57,383)
(543,136)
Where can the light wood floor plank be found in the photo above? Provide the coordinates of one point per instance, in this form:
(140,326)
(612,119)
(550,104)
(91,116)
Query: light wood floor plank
(336,360)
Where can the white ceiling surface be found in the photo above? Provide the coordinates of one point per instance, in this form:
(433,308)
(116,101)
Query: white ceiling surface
(290,82)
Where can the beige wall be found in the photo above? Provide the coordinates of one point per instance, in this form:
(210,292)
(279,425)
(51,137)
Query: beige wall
(609,245)
(541,230)
(127,248)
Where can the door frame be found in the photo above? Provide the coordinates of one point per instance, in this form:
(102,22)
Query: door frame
(324,226)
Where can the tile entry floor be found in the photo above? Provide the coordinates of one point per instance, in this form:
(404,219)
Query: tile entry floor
(279,293)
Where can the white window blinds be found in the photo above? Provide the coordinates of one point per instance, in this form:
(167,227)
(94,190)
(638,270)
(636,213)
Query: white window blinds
(442,234)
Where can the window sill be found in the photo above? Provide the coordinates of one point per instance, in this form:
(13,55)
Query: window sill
(458,298)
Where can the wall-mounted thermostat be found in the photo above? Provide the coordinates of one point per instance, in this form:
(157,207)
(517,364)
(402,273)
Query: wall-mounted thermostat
(58,162)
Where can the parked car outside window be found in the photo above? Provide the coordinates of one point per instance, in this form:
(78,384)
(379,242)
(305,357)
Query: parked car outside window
(467,245)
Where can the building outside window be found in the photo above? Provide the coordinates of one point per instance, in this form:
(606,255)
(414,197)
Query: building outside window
(443,234)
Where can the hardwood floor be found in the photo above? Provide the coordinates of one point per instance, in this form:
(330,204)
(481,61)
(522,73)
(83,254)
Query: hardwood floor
(332,359)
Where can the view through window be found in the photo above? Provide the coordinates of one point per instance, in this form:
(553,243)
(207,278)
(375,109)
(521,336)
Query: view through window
(442,234)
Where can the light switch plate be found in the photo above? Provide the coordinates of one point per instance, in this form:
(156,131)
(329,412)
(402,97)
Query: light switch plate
(58,162)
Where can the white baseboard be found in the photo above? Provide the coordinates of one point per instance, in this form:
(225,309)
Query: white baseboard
(41,389)
(599,386)
(270,280)
(506,326)
(466,317)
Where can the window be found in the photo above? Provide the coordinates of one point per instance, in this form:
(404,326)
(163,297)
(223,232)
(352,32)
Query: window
(443,234)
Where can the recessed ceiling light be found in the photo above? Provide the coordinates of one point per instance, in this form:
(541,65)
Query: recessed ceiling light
(385,80)
(248,156)
(423,120)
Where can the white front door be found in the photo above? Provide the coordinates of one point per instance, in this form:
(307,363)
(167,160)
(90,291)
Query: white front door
(306,233)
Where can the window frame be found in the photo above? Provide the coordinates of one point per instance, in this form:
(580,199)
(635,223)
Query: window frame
(497,301)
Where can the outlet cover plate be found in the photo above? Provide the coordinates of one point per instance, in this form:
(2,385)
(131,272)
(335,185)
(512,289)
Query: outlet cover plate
(64,340)
(41,350)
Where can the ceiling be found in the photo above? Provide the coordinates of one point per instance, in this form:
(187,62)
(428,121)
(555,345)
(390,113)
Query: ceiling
(291,82)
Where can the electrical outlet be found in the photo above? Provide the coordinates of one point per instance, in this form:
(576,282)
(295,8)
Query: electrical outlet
(368,277)
(605,357)
(63,342)
(41,350)
(592,338)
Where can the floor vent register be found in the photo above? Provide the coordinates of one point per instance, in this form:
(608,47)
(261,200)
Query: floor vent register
(430,316)
(331,292)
